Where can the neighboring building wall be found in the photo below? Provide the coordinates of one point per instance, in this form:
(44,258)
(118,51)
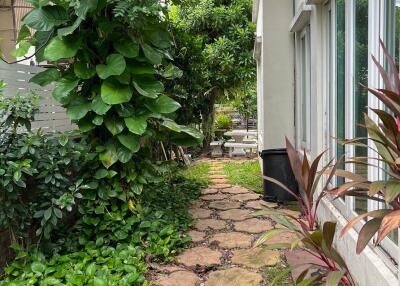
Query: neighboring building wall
(7,38)
(11,14)
(275,74)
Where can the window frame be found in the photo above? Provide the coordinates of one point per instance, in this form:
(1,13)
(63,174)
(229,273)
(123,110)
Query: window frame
(304,61)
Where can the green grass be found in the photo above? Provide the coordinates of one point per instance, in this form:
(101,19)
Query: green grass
(246,174)
(197,171)
(275,272)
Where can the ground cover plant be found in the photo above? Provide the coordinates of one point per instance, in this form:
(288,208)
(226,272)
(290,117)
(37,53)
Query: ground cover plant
(112,248)
(247,174)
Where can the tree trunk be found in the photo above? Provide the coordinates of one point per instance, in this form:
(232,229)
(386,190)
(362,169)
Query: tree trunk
(208,117)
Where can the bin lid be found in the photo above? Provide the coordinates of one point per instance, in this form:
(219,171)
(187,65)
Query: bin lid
(280,151)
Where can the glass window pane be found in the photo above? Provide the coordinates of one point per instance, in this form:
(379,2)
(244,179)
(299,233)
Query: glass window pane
(360,95)
(340,80)
(303,90)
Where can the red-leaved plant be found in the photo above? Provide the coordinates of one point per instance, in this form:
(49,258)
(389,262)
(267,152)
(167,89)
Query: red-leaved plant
(386,137)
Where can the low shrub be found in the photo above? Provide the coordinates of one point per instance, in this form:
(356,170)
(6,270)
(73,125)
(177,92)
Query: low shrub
(111,247)
(223,122)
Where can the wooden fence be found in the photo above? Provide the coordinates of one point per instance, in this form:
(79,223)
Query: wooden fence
(51,116)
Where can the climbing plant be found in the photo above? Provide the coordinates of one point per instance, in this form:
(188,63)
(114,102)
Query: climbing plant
(108,58)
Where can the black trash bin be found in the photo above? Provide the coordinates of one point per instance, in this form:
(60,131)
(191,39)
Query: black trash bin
(276,165)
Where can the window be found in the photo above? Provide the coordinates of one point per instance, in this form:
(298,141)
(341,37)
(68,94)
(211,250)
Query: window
(340,36)
(360,99)
(305,90)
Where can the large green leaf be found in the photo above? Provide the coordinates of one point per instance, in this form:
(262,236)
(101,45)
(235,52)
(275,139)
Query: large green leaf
(193,132)
(62,48)
(83,70)
(46,18)
(112,92)
(41,39)
(76,112)
(172,72)
(148,88)
(137,124)
(114,125)
(110,156)
(127,47)
(124,154)
(172,125)
(163,104)
(63,89)
(99,106)
(38,3)
(140,68)
(151,54)
(130,141)
(22,50)
(84,7)
(46,77)
(115,65)
(159,37)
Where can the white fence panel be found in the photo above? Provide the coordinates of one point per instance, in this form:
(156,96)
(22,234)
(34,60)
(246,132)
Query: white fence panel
(51,116)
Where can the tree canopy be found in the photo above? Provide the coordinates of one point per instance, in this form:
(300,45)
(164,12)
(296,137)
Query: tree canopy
(214,48)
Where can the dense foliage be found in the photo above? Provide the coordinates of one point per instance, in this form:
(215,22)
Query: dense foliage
(113,205)
(214,43)
(113,247)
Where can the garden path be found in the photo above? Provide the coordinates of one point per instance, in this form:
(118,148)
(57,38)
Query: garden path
(223,252)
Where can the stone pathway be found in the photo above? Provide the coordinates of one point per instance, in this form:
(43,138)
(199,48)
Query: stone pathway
(223,252)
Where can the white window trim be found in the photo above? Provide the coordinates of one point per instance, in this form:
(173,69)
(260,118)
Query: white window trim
(304,145)
(376,27)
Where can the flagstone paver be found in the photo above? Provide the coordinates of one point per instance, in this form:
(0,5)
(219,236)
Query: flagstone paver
(209,191)
(224,205)
(201,255)
(204,224)
(253,225)
(223,235)
(220,181)
(217,176)
(245,197)
(235,214)
(235,190)
(256,257)
(232,240)
(234,277)
(200,213)
(221,186)
(259,205)
(179,278)
(197,236)
(214,197)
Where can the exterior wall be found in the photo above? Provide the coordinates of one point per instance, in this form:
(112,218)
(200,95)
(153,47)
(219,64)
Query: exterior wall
(279,105)
(7,39)
(275,74)
(11,14)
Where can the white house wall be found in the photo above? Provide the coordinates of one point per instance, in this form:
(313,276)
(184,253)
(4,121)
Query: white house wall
(276,75)
(278,89)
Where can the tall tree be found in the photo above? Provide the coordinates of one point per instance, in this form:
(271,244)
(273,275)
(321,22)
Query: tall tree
(214,45)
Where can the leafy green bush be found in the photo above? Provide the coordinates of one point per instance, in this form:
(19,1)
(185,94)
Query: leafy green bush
(111,248)
(223,122)
(41,175)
